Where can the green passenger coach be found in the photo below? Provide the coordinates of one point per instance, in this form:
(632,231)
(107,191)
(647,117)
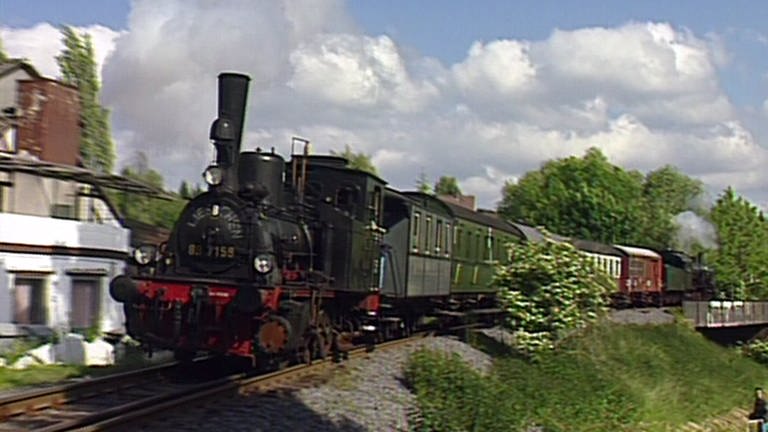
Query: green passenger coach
(480,243)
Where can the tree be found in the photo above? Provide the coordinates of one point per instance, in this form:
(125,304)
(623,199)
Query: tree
(422,183)
(145,209)
(77,64)
(667,193)
(184,190)
(587,198)
(592,199)
(359,161)
(741,261)
(3,55)
(447,186)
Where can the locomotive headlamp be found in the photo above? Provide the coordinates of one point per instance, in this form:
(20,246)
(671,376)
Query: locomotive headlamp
(213,175)
(263,263)
(145,254)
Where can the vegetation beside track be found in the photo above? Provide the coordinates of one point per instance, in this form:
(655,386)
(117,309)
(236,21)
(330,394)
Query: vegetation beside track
(49,374)
(608,378)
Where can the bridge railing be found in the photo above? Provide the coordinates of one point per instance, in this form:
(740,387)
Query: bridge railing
(726,313)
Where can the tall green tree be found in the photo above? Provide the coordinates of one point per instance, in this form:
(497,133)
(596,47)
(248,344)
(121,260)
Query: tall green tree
(3,55)
(447,185)
(741,261)
(184,190)
(668,192)
(357,160)
(586,197)
(591,198)
(422,183)
(146,209)
(77,64)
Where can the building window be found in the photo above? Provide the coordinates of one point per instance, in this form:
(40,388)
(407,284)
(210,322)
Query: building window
(29,302)
(85,304)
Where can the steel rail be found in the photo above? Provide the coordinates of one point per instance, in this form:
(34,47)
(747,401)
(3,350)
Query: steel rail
(57,395)
(231,386)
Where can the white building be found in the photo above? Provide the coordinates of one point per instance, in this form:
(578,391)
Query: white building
(60,241)
(60,245)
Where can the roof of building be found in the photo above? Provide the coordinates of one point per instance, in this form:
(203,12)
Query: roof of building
(11,65)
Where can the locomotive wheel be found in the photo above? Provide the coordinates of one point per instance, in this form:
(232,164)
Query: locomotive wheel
(314,347)
(326,334)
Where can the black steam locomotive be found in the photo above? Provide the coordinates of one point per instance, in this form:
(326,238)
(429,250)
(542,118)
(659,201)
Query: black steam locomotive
(276,261)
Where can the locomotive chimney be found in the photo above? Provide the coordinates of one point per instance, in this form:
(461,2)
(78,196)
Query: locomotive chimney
(227,129)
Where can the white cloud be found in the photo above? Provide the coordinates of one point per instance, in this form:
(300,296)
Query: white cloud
(42,43)
(502,67)
(647,94)
(357,71)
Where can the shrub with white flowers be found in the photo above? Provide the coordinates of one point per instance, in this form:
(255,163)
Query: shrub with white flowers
(549,290)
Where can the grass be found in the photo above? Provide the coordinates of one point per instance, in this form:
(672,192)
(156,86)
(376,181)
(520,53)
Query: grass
(10,378)
(46,374)
(610,378)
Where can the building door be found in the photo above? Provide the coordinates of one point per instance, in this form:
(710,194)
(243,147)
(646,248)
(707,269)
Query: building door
(29,301)
(86,301)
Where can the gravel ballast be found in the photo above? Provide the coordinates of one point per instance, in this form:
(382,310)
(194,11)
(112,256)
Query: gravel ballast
(369,394)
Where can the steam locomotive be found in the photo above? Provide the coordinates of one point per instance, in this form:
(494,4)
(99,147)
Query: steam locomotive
(284,261)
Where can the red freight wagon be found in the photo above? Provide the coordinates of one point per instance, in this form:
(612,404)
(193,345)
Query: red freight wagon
(641,275)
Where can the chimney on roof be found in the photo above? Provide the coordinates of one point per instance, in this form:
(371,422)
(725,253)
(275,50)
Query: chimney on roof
(466,201)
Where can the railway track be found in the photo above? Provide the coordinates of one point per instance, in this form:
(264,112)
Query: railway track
(66,406)
(120,401)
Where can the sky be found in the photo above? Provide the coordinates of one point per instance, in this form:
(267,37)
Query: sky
(483,91)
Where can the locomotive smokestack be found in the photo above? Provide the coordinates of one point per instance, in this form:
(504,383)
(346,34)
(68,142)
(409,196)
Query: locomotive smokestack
(227,129)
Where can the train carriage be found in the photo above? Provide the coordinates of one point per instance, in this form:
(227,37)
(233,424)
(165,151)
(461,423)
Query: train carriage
(418,245)
(480,244)
(641,276)
(605,257)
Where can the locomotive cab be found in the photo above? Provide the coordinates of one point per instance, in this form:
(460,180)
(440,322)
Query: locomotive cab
(349,202)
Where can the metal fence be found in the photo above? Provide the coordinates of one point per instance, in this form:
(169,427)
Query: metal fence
(722,313)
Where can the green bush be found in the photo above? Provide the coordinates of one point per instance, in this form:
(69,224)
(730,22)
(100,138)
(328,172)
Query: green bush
(550,289)
(756,350)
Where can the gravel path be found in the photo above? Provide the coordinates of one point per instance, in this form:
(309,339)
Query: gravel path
(369,395)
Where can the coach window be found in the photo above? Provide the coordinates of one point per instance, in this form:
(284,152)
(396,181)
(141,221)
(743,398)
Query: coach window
(428,235)
(491,246)
(480,253)
(346,197)
(415,231)
(448,240)
(438,236)
(457,242)
(375,205)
